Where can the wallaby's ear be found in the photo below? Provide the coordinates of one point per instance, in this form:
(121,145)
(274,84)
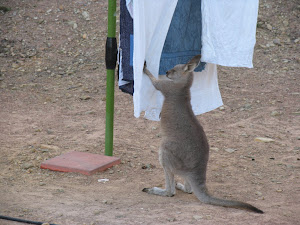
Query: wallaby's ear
(192,64)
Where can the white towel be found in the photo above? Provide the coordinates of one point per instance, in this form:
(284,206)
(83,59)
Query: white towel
(228,31)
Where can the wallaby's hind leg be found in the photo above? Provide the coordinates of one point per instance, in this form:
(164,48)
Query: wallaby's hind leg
(186,187)
(170,186)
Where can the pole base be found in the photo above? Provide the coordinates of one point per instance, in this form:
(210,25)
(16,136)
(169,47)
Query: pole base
(80,162)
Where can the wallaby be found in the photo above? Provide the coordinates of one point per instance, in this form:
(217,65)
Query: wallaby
(184,148)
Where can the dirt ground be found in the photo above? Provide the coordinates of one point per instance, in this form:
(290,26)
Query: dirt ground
(52,95)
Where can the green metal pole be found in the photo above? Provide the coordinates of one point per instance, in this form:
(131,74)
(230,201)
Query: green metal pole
(111,20)
(110,57)
(109,130)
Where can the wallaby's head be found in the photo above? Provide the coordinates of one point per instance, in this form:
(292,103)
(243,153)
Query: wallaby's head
(183,73)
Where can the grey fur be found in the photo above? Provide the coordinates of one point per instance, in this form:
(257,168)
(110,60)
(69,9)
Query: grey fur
(184,148)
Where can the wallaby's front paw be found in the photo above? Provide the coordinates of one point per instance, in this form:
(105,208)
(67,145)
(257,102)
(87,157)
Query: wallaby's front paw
(145,70)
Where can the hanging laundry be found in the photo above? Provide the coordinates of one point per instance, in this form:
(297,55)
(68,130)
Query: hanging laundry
(228,31)
(125,50)
(183,40)
(152,20)
(228,38)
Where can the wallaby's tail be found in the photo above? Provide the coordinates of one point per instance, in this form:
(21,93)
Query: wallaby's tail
(202,194)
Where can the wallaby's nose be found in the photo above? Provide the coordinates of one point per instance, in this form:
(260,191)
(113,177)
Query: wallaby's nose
(167,74)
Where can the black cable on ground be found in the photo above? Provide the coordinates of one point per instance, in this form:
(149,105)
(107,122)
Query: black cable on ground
(22,221)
